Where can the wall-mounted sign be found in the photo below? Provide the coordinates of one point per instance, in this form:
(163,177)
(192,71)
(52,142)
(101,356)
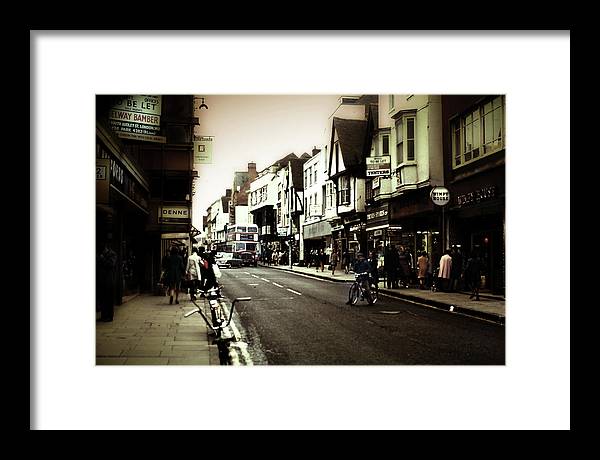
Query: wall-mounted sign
(440,196)
(203,150)
(376,214)
(477,196)
(378,166)
(376,182)
(378,233)
(173,213)
(137,117)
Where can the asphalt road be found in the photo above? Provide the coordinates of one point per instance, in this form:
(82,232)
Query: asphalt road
(296,320)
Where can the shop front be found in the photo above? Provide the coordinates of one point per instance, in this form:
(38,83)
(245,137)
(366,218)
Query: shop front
(121,214)
(477,223)
(415,224)
(317,236)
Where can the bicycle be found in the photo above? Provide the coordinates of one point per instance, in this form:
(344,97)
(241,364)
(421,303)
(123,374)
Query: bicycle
(359,289)
(217,315)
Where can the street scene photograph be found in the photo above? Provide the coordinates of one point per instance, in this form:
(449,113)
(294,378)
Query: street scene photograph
(315,230)
(300,229)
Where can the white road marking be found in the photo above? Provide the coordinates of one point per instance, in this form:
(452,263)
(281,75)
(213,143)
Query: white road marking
(252,284)
(278,285)
(246,273)
(255,276)
(265,280)
(236,333)
(295,292)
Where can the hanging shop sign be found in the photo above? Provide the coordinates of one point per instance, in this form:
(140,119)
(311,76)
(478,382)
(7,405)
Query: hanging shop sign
(375,183)
(337,228)
(357,227)
(173,213)
(137,117)
(440,196)
(378,233)
(102,180)
(378,166)
(203,153)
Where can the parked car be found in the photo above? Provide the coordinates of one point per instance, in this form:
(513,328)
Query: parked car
(228,260)
(249,259)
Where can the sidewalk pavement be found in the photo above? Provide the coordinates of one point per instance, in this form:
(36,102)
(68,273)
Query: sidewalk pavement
(489,307)
(147,330)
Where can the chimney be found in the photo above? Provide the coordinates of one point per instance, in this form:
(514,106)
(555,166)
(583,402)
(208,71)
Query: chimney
(252,171)
(228,192)
(315,150)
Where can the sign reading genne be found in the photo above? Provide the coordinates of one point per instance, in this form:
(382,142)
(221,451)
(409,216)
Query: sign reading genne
(166,213)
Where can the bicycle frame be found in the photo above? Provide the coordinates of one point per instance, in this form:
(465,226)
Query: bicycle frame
(357,289)
(217,324)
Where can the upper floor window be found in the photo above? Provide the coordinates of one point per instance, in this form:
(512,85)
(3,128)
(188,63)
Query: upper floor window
(305,178)
(405,138)
(344,190)
(478,132)
(315,174)
(391,101)
(310,175)
(385,144)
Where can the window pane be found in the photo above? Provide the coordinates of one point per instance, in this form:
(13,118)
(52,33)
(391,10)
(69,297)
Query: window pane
(469,119)
(468,138)
(399,152)
(476,115)
(399,133)
(386,145)
(487,108)
(498,123)
(410,128)
(488,124)
(476,133)
(497,102)
(410,153)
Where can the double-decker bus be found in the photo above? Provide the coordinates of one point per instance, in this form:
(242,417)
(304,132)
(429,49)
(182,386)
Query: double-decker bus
(242,240)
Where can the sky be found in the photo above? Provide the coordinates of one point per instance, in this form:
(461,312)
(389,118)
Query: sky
(259,129)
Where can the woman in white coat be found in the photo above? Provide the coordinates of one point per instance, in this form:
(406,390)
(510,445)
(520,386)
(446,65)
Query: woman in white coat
(193,273)
(445,270)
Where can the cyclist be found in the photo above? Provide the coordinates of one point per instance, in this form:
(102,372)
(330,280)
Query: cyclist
(362,265)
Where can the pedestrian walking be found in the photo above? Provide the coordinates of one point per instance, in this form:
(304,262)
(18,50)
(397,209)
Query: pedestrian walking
(322,259)
(174,271)
(346,261)
(456,271)
(334,260)
(193,273)
(403,267)
(390,265)
(473,274)
(423,265)
(107,263)
(445,270)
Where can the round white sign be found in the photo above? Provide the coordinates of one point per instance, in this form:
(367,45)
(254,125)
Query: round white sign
(440,195)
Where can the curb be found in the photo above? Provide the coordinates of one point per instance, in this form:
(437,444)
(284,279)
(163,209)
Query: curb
(498,319)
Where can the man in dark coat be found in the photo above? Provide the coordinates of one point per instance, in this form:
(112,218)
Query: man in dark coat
(107,263)
(174,271)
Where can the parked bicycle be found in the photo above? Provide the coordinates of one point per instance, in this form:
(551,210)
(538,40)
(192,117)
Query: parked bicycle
(218,320)
(363,288)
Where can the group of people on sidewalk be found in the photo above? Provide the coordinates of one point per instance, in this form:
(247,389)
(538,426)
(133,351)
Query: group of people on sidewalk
(198,271)
(449,276)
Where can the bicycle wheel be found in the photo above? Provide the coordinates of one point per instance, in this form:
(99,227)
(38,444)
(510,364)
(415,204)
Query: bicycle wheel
(353,294)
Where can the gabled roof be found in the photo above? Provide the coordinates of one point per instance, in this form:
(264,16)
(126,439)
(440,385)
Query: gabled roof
(351,135)
(297,171)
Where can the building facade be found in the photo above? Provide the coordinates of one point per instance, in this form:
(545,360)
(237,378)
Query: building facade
(144,182)
(474,142)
